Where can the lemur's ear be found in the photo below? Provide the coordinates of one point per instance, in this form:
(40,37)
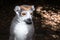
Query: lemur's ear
(17,9)
(33,7)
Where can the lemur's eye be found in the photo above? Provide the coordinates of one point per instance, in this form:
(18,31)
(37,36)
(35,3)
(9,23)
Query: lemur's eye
(31,13)
(23,14)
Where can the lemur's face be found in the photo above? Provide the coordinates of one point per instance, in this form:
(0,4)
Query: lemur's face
(25,13)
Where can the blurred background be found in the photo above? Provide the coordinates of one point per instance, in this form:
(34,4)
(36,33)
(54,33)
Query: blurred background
(46,18)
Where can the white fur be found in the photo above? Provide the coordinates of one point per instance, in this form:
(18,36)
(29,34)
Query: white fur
(22,31)
(19,29)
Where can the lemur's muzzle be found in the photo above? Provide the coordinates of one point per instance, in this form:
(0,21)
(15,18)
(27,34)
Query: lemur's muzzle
(28,21)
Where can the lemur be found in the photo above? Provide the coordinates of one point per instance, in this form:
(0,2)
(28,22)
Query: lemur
(22,27)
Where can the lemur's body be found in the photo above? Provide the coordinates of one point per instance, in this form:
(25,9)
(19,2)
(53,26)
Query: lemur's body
(22,27)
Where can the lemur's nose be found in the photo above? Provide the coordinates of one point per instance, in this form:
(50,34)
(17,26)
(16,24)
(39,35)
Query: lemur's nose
(29,19)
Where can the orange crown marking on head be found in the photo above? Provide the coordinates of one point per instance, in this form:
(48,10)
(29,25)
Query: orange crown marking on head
(26,7)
